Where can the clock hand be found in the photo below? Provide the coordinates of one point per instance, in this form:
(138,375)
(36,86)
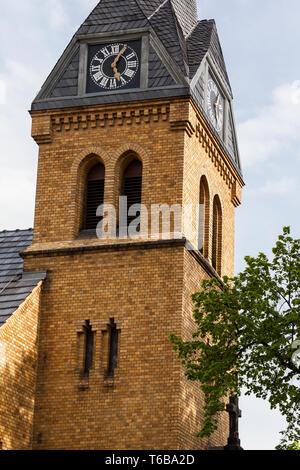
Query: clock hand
(114,64)
(117,74)
(217,108)
(216,105)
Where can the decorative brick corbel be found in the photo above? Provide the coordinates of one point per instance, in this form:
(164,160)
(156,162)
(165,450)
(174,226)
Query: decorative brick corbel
(236,194)
(180,119)
(41,129)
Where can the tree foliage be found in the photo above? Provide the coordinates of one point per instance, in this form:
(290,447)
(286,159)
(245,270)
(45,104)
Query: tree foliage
(246,329)
(293,446)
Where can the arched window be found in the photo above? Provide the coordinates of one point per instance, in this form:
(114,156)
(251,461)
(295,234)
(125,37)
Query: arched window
(132,185)
(217,235)
(203,231)
(94,195)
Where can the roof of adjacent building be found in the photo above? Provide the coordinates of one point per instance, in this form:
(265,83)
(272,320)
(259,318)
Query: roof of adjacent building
(15,285)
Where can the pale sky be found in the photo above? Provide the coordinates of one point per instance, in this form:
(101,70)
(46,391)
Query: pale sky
(260,40)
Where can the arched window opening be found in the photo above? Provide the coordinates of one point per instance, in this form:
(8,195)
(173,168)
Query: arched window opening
(217,235)
(94,195)
(203,231)
(132,186)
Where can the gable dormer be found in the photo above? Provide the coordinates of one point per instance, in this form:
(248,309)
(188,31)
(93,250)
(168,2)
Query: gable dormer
(168,53)
(158,44)
(210,85)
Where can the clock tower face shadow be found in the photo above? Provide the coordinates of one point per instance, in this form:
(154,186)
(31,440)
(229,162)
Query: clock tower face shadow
(114,66)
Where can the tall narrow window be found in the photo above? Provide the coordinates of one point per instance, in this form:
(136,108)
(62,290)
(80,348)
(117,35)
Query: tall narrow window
(94,196)
(89,348)
(203,232)
(113,348)
(217,235)
(132,186)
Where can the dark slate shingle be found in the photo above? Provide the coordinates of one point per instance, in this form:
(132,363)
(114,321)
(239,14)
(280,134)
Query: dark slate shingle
(157,70)
(13,288)
(11,243)
(203,38)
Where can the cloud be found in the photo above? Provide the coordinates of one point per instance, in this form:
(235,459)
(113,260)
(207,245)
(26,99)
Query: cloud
(2,91)
(17,198)
(283,186)
(17,148)
(275,127)
(279,186)
(57,15)
(21,76)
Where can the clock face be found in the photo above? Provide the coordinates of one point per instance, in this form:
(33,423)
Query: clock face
(113,66)
(215,105)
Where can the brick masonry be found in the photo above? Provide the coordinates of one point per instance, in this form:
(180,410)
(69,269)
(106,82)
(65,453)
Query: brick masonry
(145,285)
(18,365)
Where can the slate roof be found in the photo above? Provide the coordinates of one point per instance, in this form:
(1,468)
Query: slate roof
(116,15)
(15,285)
(165,24)
(178,46)
(203,38)
(113,15)
(68,84)
(186,40)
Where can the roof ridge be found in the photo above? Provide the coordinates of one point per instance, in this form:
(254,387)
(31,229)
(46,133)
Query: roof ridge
(199,22)
(157,9)
(182,40)
(191,32)
(181,57)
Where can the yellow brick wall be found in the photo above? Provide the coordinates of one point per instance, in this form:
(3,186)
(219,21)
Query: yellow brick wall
(201,159)
(140,289)
(191,414)
(146,289)
(18,363)
(143,129)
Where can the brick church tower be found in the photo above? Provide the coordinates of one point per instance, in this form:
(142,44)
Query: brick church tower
(139,105)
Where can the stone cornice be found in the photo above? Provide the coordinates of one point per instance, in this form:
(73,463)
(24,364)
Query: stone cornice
(67,249)
(129,116)
(197,255)
(125,246)
(44,124)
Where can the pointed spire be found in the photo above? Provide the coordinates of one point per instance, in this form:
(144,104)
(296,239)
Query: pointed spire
(186,12)
(113,15)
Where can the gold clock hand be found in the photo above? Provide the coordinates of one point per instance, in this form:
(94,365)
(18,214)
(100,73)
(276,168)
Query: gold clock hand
(114,64)
(217,102)
(117,74)
(217,108)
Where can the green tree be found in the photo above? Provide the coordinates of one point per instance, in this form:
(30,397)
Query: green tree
(246,329)
(294,446)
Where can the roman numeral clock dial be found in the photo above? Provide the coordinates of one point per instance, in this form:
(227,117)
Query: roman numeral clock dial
(113,66)
(215,105)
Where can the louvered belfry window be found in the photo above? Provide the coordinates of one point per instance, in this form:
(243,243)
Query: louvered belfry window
(203,235)
(132,186)
(94,195)
(217,235)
